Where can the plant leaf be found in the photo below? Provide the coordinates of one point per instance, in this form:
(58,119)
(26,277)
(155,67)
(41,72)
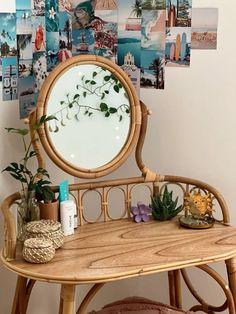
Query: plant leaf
(116,88)
(103,107)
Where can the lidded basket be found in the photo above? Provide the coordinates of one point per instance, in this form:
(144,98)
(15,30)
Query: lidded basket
(38,250)
(46,229)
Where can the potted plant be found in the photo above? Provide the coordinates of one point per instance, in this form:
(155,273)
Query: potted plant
(48,205)
(30,181)
(163,206)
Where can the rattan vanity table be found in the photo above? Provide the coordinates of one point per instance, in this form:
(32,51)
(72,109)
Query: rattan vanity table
(105,249)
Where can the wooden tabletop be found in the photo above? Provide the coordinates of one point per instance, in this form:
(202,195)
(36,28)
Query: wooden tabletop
(114,250)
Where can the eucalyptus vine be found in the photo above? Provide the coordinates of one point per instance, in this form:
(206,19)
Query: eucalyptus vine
(100,85)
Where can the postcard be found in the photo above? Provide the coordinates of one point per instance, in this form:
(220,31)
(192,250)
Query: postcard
(65,5)
(39,69)
(26,95)
(178,42)
(8,34)
(25,68)
(38,7)
(38,33)
(153,4)
(178,13)
(52,45)
(24,46)
(82,41)
(83,14)
(204,28)
(129,47)
(9,78)
(52,15)
(23,4)
(106,4)
(129,16)
(23,22)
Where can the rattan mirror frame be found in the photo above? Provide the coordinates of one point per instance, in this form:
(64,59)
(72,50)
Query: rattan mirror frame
(135,117)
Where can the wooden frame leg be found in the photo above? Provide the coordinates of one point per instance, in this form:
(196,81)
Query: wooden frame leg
(22,294)
(231,271)
(171,282)
(175,288)
(67,299)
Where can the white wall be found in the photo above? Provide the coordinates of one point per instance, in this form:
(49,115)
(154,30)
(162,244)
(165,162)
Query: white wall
(192,132)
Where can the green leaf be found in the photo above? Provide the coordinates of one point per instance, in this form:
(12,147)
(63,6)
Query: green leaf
(106,91)
(107,78)
(87,81)
(94,74)
(62,102)
(22,132)
(76,96)
(120,118)
(70,105)
(84,94)
(116,88)
(90,114)
(103,95)
(103,107)
(107,114)
(112,110)
(127,111)
(93,83)
(86,112)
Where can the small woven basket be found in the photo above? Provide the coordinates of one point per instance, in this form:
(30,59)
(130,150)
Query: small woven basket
(46,229)
(36,250)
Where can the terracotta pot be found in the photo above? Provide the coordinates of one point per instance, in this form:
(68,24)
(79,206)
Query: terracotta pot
(49,211)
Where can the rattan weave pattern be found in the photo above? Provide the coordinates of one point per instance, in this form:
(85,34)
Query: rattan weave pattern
(38,250)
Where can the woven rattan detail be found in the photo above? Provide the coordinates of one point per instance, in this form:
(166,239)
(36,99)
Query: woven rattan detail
(37,250)
(46,229)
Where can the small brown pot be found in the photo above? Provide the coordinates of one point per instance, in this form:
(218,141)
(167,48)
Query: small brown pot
(49,211)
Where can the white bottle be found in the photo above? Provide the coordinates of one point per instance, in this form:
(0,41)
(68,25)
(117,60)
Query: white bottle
(67,210)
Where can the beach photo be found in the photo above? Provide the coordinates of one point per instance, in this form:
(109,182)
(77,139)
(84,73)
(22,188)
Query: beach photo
(152,69)
(24,46)
(8,35)
(153,30)
(129,43)
(129,17)
(25,68)
(153,4)
(38,33)
(23,22)
(26,95)
(82,41)
(52,45)
(179,13)
(104,26)
(23,4)
(178,43)
(39,69)
(204,28)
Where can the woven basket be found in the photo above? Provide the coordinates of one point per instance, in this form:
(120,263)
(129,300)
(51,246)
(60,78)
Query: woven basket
(36,250)
(46,229)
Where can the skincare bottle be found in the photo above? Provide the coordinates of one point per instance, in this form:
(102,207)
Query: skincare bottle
(67,211)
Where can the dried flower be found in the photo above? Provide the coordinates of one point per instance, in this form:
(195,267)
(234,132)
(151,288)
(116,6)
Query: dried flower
(141,212)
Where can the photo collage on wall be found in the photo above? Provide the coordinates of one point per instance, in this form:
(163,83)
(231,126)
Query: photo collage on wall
(141,36)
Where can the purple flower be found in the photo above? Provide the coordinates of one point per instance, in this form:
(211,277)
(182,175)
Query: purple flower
(141,212)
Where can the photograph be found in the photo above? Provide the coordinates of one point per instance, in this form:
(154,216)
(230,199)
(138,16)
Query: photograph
(153,30)
(178,13)
(82,15)
(65,35)
(132,71)
(38,33)
(129,16)
(52,15)
(9,78)
(23,4)
(24,46)
(52,45)
(8,35)
(23,22)
(65,5)
(25,68)
(26,95)
(104,26)
(39,69)
(105,4)
(152,69)
(178,46)
(153,4)
(204,28)
(82,41)
(38,7)
(129,43)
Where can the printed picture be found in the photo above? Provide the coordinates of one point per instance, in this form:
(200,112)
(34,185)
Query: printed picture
(152,69)
(23,22)
(26,95)
(83,15)
(153,30)
(38,7)
(23,4)
(24,46)
(105,4)
(178,42)
(105,33)
(52,50)
(129,45)
(129,17)
(179,13)
(52,15)
(65,36)
(65,5)
(153,4)
(82,41)
(8,34)
(38,33)
(25,68)
(204,28)
(9,78)
(39,69)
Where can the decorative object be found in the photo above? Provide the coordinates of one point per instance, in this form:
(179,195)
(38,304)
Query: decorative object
(198,211)
(141,212)
(30,182)
(163,206)
(46,229)
(38,251)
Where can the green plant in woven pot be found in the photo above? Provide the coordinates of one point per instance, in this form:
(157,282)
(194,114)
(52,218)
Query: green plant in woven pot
(163,206)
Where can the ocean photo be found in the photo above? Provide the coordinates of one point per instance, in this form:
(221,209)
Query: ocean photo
(23,22)
(8,34)
(129,42)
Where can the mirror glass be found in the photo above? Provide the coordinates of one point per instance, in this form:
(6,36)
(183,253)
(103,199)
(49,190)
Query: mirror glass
(93,115)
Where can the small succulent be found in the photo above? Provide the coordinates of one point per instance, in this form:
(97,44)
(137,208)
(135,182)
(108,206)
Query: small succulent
(141,212)
(163,206)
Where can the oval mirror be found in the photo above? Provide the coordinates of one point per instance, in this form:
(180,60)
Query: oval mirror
(97,116)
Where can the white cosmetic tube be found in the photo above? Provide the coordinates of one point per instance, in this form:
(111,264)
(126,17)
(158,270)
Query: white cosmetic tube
(67,211)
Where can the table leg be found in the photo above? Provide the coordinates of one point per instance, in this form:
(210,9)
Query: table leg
(231,271)
(67,299)
(171,281)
